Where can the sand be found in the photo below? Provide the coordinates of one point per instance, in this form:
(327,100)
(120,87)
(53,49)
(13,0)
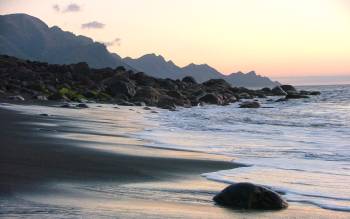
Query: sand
(45,175)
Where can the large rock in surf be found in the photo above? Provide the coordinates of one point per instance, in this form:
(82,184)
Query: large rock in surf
(278,91)
(250,196)
(250,104)
(289,89)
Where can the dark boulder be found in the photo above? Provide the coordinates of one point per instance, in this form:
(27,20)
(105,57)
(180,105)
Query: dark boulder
(189,80)
(217,84)
(296,96)
(149,95)
(210,99)
(250,104)
(120,86)
(278,91)
(250,196)
(82,105)
(289,89)
(166,102)
(266,90)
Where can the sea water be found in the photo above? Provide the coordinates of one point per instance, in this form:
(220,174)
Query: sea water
(299,147)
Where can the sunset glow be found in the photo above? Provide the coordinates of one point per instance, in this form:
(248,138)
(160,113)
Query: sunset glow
(276,38)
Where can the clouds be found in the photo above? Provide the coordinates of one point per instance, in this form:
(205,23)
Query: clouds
(116,41)
(66,9)
(93,25)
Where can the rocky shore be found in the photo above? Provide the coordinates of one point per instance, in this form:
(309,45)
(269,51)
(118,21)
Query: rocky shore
(22,80)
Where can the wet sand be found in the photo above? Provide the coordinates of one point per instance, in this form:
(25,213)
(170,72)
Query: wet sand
(43,175)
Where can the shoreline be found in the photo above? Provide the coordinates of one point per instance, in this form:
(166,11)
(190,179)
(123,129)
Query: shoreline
(38,168)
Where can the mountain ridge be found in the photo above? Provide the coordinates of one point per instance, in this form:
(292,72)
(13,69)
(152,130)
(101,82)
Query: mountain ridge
(28,37)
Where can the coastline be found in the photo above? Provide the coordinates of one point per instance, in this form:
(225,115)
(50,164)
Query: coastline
(38,167)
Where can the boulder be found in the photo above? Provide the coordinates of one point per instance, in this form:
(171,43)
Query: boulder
(148,95)
(210,99)
(250,196)
(244,96)
(119,86)
(296,96)
(82,105)
(250,104)
(166,102)
(278,91)
(289,89)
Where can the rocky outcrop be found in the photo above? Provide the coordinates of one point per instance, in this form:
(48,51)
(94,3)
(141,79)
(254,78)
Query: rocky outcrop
(250,196)
(250,104)
(80,83)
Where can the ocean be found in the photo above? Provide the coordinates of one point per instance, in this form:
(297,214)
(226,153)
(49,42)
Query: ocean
(298,147)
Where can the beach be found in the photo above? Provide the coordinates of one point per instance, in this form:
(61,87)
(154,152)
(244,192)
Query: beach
(57,167)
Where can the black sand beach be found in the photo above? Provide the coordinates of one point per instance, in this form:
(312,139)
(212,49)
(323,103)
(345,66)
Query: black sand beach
(45,176)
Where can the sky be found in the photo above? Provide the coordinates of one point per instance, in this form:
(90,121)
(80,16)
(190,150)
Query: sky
(282,39)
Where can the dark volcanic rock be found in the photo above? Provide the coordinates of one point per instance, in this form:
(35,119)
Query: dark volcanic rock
(149,95)
(289,89)
(250,104)
(166,102)
(120,86)
(250,196)
(79,82)
(278,91)
(82,105)
(296,96)
(210,99)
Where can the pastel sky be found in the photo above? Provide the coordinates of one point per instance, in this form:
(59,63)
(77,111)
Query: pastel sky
(276,38)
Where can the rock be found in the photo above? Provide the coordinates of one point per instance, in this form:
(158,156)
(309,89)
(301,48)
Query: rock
(16,98)
(289,89)
(66,105)
(266,90)
(189,80)
(125,103)
(166,102)
(149,95)
(250,104)
(304,92)
(120,86)
(278,91)
(250,196)
(244,96)
(57,96)
(210,99)
(82,105)
(147,108)
(296,96)
(217,83)
(41,98)
(315,93)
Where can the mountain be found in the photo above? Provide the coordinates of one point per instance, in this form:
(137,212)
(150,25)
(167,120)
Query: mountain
(157,66)
(200,72)
(154,65)
(27,37)
(250,79)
